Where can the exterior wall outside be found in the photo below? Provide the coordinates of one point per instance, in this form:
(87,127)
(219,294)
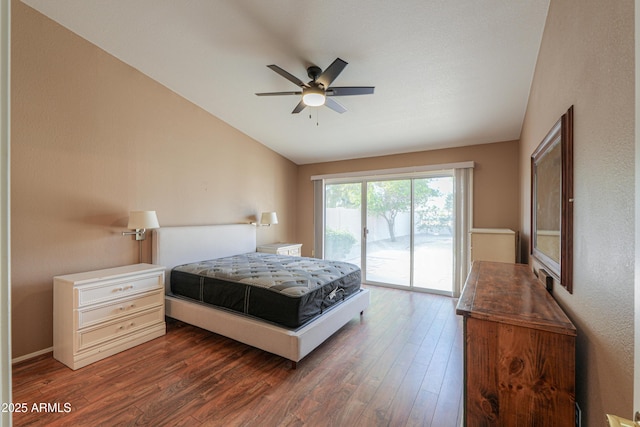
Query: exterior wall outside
(586,59)
(92,139)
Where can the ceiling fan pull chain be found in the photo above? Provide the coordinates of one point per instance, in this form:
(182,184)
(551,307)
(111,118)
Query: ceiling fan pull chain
(317,119)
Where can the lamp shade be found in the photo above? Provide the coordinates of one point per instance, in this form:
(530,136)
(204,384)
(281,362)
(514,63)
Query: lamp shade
(139,220)
(269,218)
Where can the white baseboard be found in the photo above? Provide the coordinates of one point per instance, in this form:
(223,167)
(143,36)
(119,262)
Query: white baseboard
(31,355)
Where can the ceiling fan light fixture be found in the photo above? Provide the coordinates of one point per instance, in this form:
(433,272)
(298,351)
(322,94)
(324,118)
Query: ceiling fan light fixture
(313,96)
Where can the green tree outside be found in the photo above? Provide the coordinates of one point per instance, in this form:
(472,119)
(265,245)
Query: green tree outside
(389,198)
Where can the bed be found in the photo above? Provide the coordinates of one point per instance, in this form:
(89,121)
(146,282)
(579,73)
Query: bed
(175,246)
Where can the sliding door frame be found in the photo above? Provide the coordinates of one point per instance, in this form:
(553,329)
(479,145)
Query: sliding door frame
(463,201)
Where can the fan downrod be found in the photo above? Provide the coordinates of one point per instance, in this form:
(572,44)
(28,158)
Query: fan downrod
(314,72)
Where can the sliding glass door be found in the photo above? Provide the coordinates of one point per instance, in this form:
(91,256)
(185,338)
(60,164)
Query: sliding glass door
(343,222)
(433,230)
(388,232)
(399,231)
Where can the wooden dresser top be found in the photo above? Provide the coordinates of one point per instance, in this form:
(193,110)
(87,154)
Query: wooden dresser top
(511,293)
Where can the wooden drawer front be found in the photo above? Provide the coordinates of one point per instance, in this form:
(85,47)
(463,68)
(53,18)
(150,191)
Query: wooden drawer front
(117,289)
(96,314)
(518,376)
(100,334)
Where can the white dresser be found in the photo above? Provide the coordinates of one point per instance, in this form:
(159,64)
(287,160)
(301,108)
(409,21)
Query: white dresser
(292,249)
(493,244)
(99,313)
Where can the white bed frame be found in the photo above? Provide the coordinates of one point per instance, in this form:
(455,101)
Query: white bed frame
(174,246)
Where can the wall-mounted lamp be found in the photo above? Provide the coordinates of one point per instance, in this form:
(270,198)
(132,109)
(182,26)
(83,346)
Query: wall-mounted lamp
(267,219)
(141,221)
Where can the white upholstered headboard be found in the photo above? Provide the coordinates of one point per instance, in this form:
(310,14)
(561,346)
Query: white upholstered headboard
(173,246)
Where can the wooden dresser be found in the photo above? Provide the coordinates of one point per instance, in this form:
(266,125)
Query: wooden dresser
(519,350)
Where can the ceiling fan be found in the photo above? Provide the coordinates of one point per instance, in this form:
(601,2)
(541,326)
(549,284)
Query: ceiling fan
(319,91)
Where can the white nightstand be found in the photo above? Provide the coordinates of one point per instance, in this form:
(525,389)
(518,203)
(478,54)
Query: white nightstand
(292,249)
(100,313)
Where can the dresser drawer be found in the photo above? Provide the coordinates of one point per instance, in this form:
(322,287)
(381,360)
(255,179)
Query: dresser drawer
(105,332)
(109,291)
(104,312)
(291,249)
(291,252)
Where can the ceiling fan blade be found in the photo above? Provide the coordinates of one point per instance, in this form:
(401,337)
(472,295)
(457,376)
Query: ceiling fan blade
(299,107)
(278,93)
(332,71)
(350,90)
(293,79)
(334,105)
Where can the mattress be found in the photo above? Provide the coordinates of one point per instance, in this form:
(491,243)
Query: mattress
(286,290)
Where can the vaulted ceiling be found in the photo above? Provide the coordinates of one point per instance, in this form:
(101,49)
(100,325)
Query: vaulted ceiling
(446,73)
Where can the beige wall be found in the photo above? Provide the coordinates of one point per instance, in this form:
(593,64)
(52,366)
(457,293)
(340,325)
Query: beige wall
(92,138)
(587,60)
(495,182)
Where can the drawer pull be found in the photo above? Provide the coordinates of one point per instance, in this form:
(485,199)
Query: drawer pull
(130,306)
(130,325)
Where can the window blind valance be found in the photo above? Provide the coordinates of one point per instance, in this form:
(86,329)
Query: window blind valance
(388,173)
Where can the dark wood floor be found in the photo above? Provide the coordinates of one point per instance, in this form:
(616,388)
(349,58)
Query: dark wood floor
(398,365)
